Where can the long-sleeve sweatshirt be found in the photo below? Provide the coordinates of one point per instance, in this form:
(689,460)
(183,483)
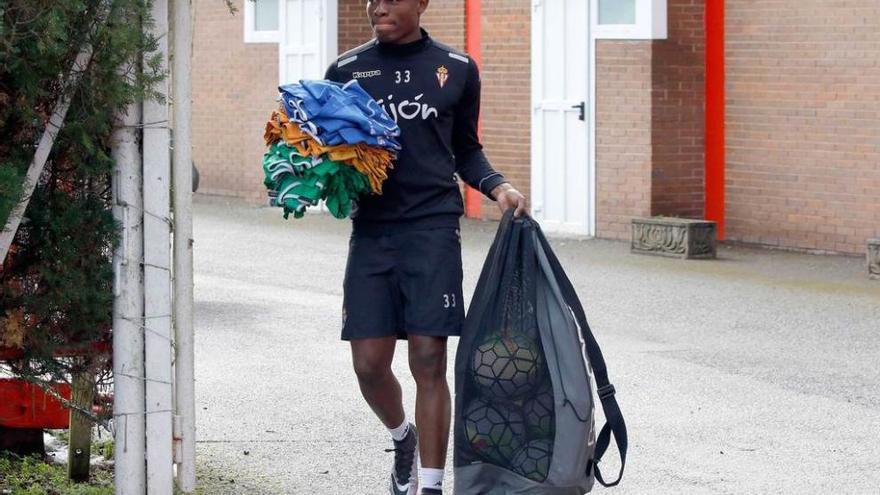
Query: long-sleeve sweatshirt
(433,92)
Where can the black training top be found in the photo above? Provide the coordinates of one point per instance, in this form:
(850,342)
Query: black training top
(433,92)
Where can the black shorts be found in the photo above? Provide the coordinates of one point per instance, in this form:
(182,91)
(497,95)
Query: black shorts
(403,283)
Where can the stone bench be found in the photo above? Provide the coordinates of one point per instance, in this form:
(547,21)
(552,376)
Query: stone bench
(874,258)
(676,237)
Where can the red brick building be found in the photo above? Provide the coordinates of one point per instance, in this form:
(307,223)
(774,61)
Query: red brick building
(764,116)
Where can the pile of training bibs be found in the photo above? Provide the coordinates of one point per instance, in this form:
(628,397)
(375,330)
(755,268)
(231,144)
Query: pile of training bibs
(327,141)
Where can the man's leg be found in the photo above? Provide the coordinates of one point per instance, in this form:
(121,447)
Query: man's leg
(372,364)
(427,362)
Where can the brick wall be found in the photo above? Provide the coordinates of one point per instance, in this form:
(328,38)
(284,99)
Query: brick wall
(623,135)
(354,29)
(678,96)
(803,123)
(505,73)
(506,78)
(650,124)
(803,116)
(234,89)
(444,19)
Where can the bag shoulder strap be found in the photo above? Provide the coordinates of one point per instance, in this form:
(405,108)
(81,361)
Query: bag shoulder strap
(615,424)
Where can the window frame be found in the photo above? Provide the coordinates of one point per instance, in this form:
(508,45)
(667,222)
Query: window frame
(251,35)
(651,22)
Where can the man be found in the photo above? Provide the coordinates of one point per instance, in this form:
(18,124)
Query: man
(403,276)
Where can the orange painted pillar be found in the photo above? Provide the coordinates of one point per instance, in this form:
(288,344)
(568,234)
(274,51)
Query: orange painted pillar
(472,197)
(715,149)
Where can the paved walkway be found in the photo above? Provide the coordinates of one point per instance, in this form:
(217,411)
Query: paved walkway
(754,373)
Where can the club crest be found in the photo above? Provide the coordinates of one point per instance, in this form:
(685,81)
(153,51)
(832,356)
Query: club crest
(442,75)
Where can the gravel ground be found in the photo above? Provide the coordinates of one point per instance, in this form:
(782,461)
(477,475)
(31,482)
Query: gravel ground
(753,373)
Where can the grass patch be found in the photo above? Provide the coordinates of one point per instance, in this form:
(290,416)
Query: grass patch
(103,448)
(32,476)
(62,436)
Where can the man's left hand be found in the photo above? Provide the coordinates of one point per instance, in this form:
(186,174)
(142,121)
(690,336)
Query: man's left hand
(508,197)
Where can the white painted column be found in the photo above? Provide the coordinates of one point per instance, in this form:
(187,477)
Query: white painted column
(128,309)
(185,421)
(157,272)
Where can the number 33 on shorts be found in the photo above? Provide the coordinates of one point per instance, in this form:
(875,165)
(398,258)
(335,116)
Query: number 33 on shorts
(449,300)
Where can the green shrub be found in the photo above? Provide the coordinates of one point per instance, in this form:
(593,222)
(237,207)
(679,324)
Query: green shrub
(56,285)
(32,476)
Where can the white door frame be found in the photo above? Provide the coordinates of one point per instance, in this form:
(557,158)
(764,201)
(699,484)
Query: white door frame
(330,49)
(329,19)
(537,165)
(591,124)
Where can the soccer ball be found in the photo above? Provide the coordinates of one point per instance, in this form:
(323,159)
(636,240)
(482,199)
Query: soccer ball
(508,365)
(532,332)
(540,415)
(494,430)
(533,460)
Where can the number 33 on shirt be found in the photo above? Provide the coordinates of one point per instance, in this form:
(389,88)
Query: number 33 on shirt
(401,77)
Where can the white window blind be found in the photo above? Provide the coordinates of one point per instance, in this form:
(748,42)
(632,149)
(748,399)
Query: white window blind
(261,18)
(629,19)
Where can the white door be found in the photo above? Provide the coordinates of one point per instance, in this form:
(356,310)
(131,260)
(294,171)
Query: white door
(308,42)
(561,141)
(308,39)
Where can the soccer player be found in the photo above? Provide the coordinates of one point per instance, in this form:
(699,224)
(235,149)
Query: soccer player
(404,274)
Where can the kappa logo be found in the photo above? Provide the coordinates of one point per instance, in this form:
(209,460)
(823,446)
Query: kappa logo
(366,74)
(442,75)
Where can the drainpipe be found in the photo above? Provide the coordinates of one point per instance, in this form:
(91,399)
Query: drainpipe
(715,149)
(473,198)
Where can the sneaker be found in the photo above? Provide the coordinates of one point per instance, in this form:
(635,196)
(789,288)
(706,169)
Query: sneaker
(432,491)
(405,475)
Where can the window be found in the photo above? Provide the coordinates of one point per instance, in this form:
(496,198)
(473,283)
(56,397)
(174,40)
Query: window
(617,12)
(629,19)
(261,18)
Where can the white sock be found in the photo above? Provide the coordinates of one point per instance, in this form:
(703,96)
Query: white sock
(431,478)
(400,432)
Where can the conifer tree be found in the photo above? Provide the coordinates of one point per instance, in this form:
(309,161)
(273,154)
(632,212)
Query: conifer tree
(56,282)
